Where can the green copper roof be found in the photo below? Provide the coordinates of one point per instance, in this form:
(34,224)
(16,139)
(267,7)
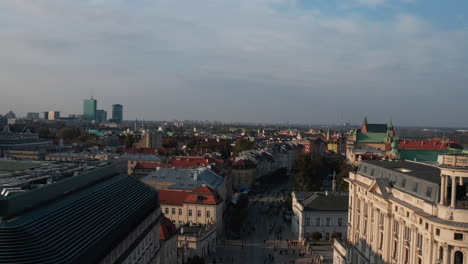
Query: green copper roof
(426,155)
(81,227)
(372,137)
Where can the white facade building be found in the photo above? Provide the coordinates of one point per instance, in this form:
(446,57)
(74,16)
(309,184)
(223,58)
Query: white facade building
(406,212)
(319,212)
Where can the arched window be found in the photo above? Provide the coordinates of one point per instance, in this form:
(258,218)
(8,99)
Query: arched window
(458,257)
(441,253)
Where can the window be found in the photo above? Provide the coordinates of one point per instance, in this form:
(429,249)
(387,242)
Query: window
(365,169)
(407,233)
(199,213)
(437,232)
(396,227)
(381,240)
(441,253)
(328,222)
(167,210)
(307,221)
(429,191)
(317,221)
(420,221)
(340,221)
(189,212)
(427,226)
(458,258)
(458,236)
(208,213)
(372,172)
(419,241)
(327,236)
(180,211)
(415,187)
(403,183)
(173,211)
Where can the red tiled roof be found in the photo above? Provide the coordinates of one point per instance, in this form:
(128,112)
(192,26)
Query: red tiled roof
(172,197)
(201,195)
(428,144)
(147,165)
(190,162)
(204,195)
(166,229)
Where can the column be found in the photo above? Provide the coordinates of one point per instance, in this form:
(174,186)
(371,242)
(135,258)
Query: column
(442,189)
(446,255)
(454,191)
(388,238)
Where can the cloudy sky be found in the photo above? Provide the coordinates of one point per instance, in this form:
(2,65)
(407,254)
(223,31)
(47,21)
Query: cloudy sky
(239,60)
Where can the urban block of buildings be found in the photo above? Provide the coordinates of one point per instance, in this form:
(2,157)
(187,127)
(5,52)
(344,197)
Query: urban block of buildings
(407,212)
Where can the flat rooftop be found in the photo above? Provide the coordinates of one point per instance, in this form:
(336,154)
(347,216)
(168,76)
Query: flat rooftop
(20,176)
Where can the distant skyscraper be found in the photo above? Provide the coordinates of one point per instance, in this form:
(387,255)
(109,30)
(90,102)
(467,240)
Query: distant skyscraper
(54,115)
(117,113)
(32,116)
(101,116)
(10,115)
(89,109)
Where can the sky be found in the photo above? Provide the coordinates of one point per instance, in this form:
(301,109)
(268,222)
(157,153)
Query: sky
(267,61)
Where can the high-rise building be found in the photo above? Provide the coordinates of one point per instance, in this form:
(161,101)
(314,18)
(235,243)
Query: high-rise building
(89,109)
(10,114)
(96,216)
(32,116)
(101,116)
(54,115)
(117,113)
(408,212)
(46,115)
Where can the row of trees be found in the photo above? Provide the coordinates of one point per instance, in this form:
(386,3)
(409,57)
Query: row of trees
(311,171)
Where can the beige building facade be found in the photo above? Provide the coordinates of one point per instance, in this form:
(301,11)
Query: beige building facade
(202,206)
(406,212)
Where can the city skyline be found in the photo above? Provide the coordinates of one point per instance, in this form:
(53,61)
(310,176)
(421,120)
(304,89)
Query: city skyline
(249,61)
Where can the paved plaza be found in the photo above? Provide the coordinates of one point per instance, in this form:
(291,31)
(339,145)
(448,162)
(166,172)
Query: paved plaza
(267,237)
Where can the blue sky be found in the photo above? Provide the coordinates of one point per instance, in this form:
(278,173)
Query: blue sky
(245,60)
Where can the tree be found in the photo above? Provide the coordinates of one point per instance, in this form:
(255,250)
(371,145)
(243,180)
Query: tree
(69,133)
(129,140)
(336,235)
(169,142)
(226,150)
(344,173)
(243,144)
(316,236)
(44,132)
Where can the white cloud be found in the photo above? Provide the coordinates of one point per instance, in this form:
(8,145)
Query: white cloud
(371,3)
(171,50)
